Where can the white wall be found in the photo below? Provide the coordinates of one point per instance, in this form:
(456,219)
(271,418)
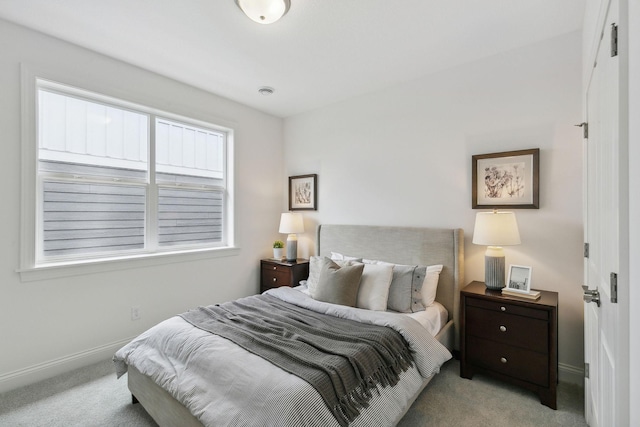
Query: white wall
(49,326)
(402,156)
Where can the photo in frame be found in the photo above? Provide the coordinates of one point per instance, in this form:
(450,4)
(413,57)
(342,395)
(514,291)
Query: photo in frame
(519,279)
(506,180)
(303,192)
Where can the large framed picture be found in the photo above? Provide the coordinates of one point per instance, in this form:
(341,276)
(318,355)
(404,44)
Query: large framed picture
(519,279)
(303,192)
(505,180)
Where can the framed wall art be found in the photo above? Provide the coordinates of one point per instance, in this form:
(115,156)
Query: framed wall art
(505,180)
(303,192)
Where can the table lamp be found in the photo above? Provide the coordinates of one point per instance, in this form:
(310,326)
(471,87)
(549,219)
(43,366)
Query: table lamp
(495,229)
(291,223)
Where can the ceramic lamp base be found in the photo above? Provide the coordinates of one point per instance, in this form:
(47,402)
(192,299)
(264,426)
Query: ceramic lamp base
(292,249)
(494,268)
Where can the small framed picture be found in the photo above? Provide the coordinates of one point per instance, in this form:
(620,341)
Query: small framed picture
(303,193)
(519,279)
(505,180)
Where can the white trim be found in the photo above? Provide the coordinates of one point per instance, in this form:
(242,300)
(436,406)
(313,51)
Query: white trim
(91,160)
(229,220)
(28,238)
(31,266)
(151,215)
(51,368)
(570,374)
(94,95)
(77,268)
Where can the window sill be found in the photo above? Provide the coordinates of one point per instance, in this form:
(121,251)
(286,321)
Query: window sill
(77,268)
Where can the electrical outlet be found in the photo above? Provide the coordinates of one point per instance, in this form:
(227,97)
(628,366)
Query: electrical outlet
(135,313)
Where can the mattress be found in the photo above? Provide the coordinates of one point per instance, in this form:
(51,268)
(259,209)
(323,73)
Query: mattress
(237,388)
(433,318)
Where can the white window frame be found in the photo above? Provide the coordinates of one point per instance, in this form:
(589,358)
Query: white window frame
(34,268)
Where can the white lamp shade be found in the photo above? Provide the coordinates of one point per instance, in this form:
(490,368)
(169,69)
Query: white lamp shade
(264,11)
(496,229)
(291,223)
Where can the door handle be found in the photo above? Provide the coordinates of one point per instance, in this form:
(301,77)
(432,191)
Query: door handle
(591,295)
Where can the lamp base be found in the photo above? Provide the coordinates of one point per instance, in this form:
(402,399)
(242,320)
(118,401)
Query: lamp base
(494,272)
(292,249)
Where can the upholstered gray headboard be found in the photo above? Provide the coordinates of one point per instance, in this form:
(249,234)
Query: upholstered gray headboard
(404,245)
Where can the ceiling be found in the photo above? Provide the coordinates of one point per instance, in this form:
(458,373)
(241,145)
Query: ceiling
(321,52)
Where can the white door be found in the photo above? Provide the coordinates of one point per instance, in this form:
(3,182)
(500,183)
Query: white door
(602,227)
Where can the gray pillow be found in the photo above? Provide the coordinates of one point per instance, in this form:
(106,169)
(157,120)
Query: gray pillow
(338,285)
(405,291)
(417,302)
(400,288)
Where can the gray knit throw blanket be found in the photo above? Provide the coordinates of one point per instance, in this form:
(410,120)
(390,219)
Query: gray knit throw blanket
(342,359)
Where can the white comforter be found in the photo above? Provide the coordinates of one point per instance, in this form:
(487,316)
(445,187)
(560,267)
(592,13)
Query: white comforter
(224,385)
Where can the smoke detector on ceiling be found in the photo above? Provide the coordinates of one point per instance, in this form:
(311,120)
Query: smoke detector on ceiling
(266,90)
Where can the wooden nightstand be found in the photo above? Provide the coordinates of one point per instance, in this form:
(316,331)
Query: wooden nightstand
(510,338)
(275,273)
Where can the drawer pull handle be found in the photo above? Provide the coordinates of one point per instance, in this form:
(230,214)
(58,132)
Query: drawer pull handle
(275,268)
(503,328)
(275,280)
(503,360)
(503,308)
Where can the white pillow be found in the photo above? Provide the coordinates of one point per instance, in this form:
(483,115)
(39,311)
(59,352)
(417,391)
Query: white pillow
(374,287)
(315,264)
(407,294)
(430,284)
(404,290)
(335,256)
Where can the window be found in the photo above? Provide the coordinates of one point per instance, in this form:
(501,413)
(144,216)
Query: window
(116,179)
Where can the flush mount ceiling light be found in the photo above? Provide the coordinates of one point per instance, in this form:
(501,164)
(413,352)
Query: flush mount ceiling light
(266,90)
(264,11)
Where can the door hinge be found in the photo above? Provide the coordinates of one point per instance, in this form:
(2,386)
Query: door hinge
(585,129)
(586,250)
(586,370)
(614,287)
(614,40)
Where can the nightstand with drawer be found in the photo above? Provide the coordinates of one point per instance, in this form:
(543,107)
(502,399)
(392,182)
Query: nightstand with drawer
(275,273)
(510,338)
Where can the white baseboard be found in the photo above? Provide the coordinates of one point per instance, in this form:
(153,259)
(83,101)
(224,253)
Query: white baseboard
(51,368)
(570,374)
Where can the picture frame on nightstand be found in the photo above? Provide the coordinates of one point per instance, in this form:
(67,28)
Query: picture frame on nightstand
(519,279)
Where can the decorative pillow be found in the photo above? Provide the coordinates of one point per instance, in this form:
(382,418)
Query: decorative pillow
(430,285)
(374,287)
(405,291)
(417,280)
(400,288)
(315,263)
(338,285)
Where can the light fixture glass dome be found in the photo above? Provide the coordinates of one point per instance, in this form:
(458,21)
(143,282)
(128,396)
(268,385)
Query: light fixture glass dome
(264,11)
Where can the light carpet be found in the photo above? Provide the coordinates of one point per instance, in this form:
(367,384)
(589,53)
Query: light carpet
(92,397)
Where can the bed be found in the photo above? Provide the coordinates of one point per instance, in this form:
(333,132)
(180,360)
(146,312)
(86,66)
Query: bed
(246,389)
